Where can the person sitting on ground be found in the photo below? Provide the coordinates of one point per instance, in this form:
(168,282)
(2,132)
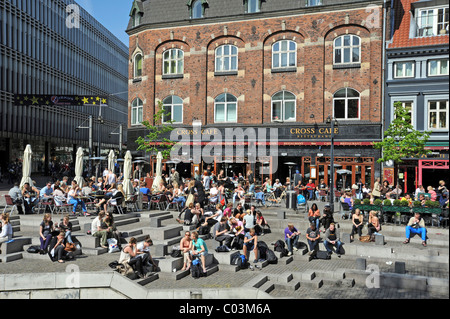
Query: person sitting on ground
(357,223)
(237,228)
(313,237)
(199,249)
(251,243)
(416,225)
(66,226)
(314,215)
(98,230)
(238,212)
(58,252)
(130,255)
(332,239)
(221,233)
(215,218)
(249,220)
(228,211)
(109,225)
(6,233)
(327,217)
(291,236)
(374,225)
(186,247)
(45,232)
(261,223)
(143,250)
(190,218)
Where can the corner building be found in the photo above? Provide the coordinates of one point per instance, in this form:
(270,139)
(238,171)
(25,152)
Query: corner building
(285,65)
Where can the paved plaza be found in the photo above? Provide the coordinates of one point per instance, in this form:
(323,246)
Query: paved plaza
(324,285)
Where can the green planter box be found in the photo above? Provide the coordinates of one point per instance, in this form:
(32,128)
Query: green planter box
(395,209)
(427,210)
(368,207)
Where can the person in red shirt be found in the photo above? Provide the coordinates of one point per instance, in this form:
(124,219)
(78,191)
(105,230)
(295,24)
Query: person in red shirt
(310,187)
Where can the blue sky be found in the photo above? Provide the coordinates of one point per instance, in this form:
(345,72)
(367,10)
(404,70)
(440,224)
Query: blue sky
(113,14)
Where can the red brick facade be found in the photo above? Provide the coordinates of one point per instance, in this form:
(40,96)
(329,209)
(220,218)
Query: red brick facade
(314,81)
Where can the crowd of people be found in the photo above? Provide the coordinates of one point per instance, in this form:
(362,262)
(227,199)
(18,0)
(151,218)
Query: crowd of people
(212,204)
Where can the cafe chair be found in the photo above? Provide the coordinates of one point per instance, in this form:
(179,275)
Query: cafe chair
(9,205)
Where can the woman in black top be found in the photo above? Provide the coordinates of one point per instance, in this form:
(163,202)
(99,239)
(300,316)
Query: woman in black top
(45,232)
(200,192)
(66,226)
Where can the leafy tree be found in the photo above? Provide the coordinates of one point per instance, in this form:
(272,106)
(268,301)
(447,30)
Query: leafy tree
(401,140)
(155,141)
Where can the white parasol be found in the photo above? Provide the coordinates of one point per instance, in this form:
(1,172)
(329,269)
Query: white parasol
(127,169)
(26,167)
(158,172)
(79,167)
(111,160)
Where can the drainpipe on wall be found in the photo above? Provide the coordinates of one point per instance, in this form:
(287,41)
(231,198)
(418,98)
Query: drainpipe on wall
(383,70)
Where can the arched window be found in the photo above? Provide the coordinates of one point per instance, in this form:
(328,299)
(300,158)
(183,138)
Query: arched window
(137,112)
(283,106)
(173,61)
(173,109)
(346,104)
(225,108)
(197,9)
(138,65)
(226,58)
(284,54)
(347,49)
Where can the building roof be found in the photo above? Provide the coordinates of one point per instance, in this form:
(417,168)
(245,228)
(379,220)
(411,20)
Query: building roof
(158,12)
(403,25)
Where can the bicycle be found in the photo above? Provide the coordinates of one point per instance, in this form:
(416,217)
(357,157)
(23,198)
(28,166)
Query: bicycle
(272,200)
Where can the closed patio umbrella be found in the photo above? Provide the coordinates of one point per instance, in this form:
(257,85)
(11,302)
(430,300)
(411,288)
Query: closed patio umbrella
(26,167)
(79,167)
(111,161)
(158,172)
(127,170)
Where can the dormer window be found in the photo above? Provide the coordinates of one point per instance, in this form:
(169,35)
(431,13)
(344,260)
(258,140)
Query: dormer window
(432,21)
(136,13)
(197,8)
(252,6)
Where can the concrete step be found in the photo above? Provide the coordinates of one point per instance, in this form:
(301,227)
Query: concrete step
(5,258)
(15,246)
(151,277)
(163,233)
(267,287)
(291,286)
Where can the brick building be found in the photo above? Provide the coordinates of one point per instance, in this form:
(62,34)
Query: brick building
(265,64)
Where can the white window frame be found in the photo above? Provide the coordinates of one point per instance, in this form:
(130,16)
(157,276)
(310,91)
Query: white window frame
(346,99)
(229,56)
(171,109)
(396,64)
(135,65)
(139,109)
(403,100)
(226,108)
(437,99)
(343,47)
(280,52)
(439,67)
(434,24)
(283,107)
(170,60)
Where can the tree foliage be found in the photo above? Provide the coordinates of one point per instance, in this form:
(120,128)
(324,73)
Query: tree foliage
(401,140)
(155,141)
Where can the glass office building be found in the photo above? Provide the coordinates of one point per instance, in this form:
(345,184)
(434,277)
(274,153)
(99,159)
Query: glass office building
(45,49)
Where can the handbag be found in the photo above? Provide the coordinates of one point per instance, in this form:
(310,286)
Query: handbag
(70,247)
(189,200)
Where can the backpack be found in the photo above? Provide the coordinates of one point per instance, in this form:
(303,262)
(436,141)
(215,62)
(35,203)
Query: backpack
(196,269)
(222,249)
(33,249)
(204,230)
(279,245)
(300,199)
(270,257)
(176,253)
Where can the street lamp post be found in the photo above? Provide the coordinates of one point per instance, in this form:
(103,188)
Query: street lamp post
(333,122)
